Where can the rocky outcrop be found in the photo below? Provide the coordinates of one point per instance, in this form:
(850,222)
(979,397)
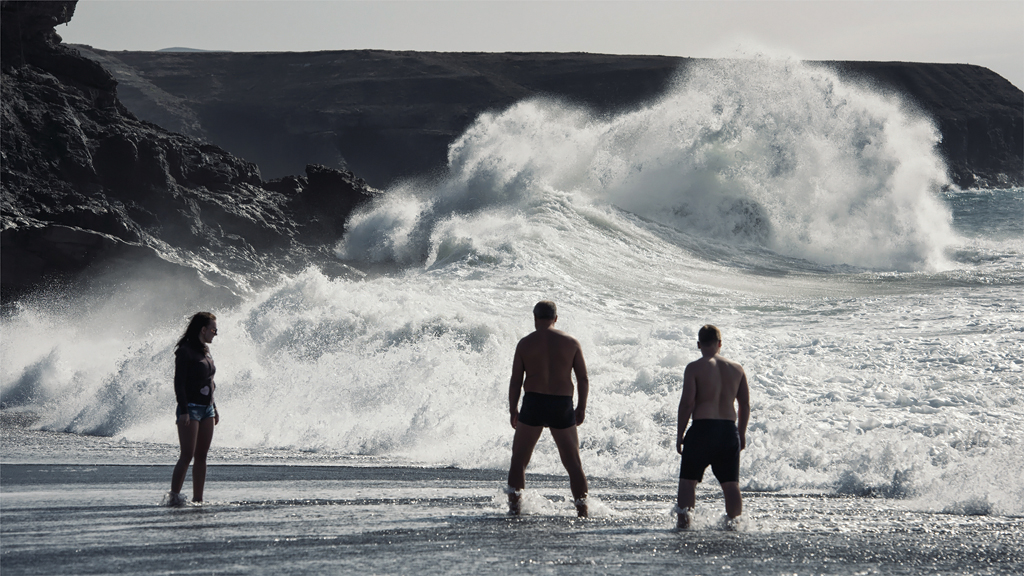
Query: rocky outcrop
(389,115)
(89,189)
(86,184)
(979,113)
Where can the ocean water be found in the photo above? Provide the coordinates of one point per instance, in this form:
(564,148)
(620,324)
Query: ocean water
(876,308)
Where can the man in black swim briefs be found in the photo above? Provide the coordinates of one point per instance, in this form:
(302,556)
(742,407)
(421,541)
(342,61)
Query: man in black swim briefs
(543,366)
(712,387)
(547,411)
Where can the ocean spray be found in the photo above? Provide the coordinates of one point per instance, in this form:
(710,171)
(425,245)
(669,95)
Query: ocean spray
(775,153)
(864,380)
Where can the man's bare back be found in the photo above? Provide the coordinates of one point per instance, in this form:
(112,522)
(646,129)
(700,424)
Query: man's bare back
(717,383)
(713,387)
(543,366)
(548,357)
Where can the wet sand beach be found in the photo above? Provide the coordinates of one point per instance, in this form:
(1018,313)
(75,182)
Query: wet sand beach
(89,517)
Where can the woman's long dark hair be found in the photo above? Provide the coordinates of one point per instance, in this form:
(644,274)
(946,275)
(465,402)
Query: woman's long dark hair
(190,338)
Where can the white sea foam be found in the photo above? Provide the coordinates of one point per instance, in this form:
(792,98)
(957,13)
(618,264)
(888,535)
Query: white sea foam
(864,381)
(889,394)
(775,153)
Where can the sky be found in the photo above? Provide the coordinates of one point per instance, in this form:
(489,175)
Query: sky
(986,33)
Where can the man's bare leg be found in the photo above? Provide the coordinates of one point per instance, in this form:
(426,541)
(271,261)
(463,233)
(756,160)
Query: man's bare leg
(687,499)
(523,444)
(733,499)
(568,443)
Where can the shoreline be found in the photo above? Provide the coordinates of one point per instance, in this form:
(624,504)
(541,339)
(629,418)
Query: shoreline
(100,515)
(286,519)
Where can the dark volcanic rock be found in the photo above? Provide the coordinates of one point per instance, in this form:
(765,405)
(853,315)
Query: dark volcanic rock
(384,115)
(389,115)
(86,184)
(89,189)
(979,113)
(327,196)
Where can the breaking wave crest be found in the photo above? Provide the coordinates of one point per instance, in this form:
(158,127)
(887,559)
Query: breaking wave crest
(776,154)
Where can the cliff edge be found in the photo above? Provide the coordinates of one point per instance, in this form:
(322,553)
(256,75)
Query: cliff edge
(389,115)
(89,189)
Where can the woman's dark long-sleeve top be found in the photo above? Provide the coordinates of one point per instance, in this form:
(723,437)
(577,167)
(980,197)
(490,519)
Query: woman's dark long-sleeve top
(193,377)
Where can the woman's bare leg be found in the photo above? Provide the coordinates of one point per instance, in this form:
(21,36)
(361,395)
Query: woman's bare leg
(202,448)
(187,434)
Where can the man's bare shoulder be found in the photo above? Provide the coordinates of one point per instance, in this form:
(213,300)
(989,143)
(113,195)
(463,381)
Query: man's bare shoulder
(698,364)
(547,336)
(564,336)
(730,363)
(533,338)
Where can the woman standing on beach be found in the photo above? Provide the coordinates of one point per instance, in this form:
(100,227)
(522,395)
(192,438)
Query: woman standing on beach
(196,412)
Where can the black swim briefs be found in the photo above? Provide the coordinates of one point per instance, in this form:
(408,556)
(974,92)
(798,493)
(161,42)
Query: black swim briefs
(547,410)
(715,443)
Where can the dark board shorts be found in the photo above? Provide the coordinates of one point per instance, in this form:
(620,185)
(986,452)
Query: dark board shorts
(714,443)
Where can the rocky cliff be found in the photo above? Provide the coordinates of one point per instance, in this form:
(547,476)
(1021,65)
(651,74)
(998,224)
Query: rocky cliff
(89,190)
(388,115)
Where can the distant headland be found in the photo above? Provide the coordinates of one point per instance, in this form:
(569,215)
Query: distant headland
(114,160)
(388,115)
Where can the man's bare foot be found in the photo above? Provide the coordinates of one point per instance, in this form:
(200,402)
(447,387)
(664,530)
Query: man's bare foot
(515,501)
(174,500)
(683,517)
(581,508)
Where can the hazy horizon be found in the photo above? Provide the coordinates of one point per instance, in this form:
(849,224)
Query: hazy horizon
(988,33)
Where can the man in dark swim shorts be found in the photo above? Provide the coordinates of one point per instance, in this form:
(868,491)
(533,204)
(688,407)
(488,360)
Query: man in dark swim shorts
(547,358)
(712,387)
(547,411)
(714,443)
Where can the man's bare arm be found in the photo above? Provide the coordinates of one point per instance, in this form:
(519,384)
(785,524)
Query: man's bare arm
(743,399)
(687,402)
(515,386)
(579,367)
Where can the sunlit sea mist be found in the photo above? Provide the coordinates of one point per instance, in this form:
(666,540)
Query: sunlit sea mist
(809,218)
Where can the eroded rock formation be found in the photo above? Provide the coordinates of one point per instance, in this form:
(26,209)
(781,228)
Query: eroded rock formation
(388,115)
(87,187)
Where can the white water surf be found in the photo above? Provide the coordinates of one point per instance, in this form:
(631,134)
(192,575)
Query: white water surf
(803,215)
